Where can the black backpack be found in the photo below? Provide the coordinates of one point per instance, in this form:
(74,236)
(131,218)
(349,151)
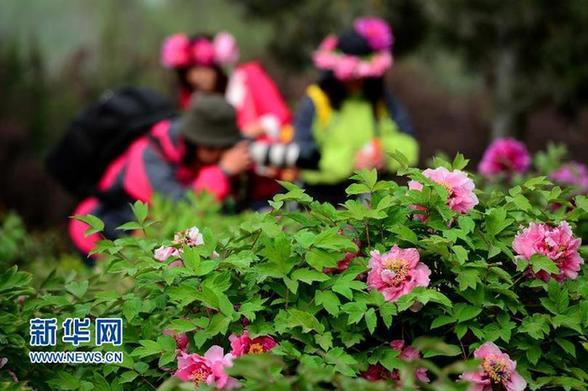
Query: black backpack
(101,132)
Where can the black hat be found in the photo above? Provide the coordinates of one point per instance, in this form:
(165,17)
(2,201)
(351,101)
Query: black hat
(353,43)
(210,120)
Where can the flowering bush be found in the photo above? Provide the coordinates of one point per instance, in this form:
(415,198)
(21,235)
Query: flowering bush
(505,156)
(442,303)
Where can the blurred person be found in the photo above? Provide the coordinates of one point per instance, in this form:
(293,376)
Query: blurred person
(200,151)
(347,120)
(208,63)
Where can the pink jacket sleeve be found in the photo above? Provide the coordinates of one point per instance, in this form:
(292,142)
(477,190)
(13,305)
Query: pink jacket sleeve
(213,180)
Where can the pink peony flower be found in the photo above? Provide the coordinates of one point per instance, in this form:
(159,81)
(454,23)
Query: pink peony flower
(226,51)
(460,188)
(397,272)
(496,369)
(556,243)
(203,52)
(164,252)
(344,263)
(376,31)
(245,345)
(190,237)
(181,339)
(175,51)
(209,369)
(376,372)
(505,155)
(408,353)
(572,174)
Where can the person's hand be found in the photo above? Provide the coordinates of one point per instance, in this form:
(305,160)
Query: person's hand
(370,156)
(253,130)
(237,159)
(365,160)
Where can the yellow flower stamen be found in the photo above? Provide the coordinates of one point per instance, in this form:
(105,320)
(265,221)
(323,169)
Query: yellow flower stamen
(397,266)
(255,348)
(199,376)
(496,368)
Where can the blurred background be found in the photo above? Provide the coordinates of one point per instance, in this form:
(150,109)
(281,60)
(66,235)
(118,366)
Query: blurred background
(467,70)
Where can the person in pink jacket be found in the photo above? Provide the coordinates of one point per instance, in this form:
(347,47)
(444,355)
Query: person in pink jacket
(206,63)
(209,63)
(199,151)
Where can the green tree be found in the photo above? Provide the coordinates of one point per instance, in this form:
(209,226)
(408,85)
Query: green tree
(528,51)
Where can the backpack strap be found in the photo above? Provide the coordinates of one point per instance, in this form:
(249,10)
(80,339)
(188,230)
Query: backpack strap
(321,103)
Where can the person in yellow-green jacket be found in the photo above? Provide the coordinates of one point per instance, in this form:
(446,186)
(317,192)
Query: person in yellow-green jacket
(347,120)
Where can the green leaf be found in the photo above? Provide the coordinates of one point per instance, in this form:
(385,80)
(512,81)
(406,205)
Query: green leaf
(366,177)
(355,310)
(309,276)
(463,312)
(292,285)
(342,361)
(371,320)
(167,358)
(329,301)
(294,193)
(130,226)
(305,320)
(496,220)
(387,357)
(558,296)
(357,188)
(320,259)
(77,288)
(147,348)
(466,223)
(95,224)
(533,354)
(522,202)
(468,278)
(425,295)
(541,262)
(325,341)
(182,325)
(127,377)
(206,267)
(251,306)
(441,321)
(131,308)
(65,381)
(219,324)
(191,258)
(536,182)
(140,210)
(404,233)
(459,162)
(461,254)
(582,202)
(567,346)
(432,347)
(387,310)
(536,326)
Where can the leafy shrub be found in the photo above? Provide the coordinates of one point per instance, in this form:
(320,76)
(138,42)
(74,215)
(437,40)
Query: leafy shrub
(304,277)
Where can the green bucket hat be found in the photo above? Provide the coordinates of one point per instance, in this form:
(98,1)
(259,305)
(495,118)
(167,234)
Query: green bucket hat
(210,121)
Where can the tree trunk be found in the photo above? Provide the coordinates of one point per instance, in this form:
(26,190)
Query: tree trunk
(505,107)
